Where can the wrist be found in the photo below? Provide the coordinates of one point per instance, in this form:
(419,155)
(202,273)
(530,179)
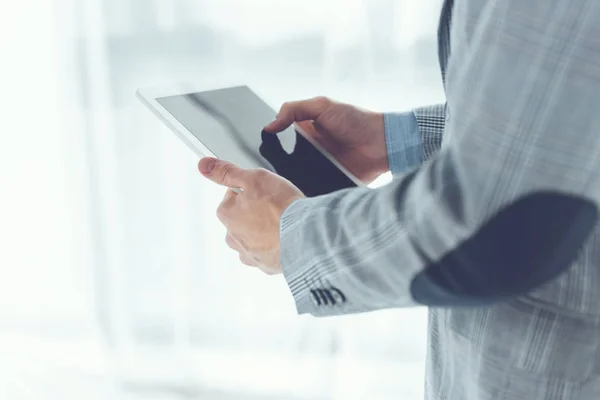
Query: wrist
(378,152)
(383,164)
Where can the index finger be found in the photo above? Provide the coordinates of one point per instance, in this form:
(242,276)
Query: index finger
(296,111)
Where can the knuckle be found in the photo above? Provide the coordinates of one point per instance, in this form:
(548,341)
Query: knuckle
(285,107)
(259,175)
(262,173)
(229,241)
(247,259)
(224,172)
(222,213)
(244,260)
(323,100)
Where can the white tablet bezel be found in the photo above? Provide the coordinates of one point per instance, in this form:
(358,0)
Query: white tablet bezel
(148,97)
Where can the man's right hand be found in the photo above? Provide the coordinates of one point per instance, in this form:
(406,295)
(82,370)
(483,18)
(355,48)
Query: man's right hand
(355,137)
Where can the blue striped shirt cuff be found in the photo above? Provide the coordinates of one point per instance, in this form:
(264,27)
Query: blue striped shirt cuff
(403,141)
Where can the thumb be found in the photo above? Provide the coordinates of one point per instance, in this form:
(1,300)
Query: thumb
(222,172)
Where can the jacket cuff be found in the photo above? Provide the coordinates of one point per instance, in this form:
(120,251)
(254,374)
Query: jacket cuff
(312,294)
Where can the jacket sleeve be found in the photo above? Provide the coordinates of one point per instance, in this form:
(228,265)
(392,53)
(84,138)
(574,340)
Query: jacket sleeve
(431,121)
(504,207)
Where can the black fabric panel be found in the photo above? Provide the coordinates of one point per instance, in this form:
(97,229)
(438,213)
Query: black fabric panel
(525,245)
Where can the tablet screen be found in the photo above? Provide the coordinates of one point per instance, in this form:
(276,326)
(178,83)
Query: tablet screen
(229,123)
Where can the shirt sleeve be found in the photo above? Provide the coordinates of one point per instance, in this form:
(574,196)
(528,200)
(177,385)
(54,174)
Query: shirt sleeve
(504,207)
(403,141)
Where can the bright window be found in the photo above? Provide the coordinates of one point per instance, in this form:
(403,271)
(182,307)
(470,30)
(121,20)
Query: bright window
(109,243)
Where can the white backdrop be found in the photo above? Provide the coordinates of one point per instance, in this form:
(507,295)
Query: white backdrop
(109,236)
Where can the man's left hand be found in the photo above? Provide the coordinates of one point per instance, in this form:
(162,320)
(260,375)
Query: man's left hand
(252,216)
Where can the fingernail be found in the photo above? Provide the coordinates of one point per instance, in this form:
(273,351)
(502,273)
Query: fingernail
(211,166)
(208,167)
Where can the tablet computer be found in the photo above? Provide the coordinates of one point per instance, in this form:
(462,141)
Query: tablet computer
(227,123)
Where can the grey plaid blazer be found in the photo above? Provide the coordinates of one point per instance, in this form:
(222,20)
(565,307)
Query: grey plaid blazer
(497,232)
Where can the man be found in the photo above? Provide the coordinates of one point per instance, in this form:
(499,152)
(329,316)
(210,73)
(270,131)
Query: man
(494,228)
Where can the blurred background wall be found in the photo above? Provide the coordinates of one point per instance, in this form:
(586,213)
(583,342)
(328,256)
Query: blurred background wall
(113,267)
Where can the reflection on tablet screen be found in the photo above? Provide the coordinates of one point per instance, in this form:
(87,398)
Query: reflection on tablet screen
(229,123)
(305,166)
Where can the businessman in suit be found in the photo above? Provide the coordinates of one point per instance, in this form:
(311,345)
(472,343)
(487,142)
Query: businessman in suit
(491,220)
